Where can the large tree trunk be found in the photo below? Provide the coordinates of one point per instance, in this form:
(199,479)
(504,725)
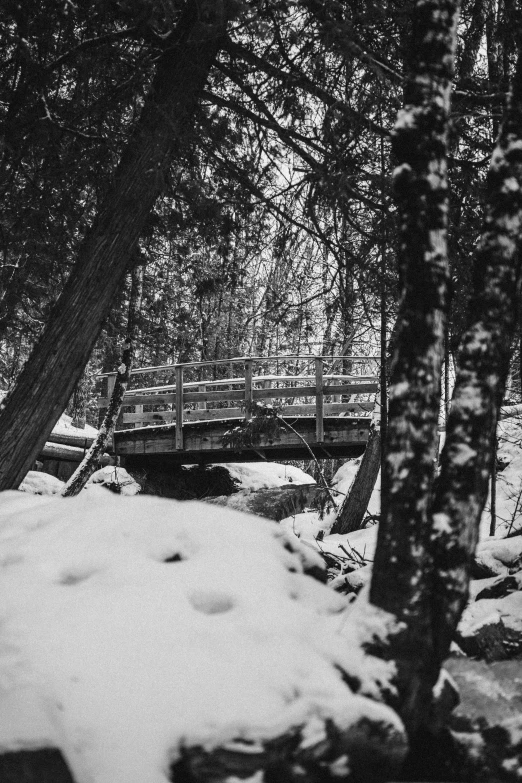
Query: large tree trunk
(401,576)
(48,378)
(91,460)
(482,368)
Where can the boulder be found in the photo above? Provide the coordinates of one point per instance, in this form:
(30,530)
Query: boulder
(487,723)
(277,503)
(501,587)
(116,479)
(370,750)
(480,741)
(497,557)
(198,482)
(45,765)
(491,628)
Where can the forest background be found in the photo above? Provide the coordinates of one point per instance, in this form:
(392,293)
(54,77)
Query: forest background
(276,230)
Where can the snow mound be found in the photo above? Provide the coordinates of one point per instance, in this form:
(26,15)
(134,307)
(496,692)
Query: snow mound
(40,483)
(497,557)
(360,544)
(306,525)
(134,627)
(115,478)
(265,475)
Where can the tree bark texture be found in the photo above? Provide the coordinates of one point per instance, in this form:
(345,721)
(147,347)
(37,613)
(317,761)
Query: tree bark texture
(91,460)
(481,373)
(79,403)
(402,567)
(49,376)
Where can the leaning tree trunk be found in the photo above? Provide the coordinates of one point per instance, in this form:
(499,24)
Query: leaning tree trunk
(353,508)
(29,413)
(402,569)
(481,373)
(91,460)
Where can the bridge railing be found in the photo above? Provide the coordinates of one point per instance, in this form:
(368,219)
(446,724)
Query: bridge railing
(300,385)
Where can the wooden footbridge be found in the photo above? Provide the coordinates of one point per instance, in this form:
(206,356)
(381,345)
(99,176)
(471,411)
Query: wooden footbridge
(243,409)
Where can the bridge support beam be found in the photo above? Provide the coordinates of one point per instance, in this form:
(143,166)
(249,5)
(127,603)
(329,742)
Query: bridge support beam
(249,396)
(319,401)
(179,407)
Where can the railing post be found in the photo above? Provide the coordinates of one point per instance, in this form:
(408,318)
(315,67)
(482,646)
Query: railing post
(179,408)
(249,398)
(111,380)
(319,401)
(267,384)
(202,388)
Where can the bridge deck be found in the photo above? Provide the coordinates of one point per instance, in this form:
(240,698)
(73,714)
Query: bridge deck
(232,419)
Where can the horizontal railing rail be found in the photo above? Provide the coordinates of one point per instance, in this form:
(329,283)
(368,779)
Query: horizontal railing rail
(241,359)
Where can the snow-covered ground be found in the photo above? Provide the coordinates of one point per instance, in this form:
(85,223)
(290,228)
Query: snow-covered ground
(358,548)
(133,627)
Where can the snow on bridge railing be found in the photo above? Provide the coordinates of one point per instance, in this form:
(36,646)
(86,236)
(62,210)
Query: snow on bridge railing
(178,399)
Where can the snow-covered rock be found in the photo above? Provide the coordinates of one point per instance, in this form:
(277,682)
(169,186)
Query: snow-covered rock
(39,483)
(497,557)
(139,632)
(491,628)
(64,426)
(487,723)
(273,503)
(116,479)
(491,625)
(265,475)
(499,587)
(352,582)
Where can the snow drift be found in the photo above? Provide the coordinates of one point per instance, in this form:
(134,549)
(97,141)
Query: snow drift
(136,627)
